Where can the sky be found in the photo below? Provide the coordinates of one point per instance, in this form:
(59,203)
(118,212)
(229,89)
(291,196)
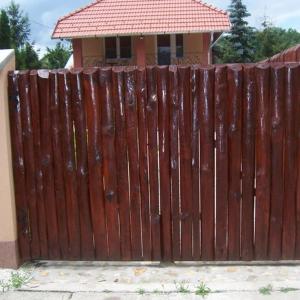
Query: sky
(43,14)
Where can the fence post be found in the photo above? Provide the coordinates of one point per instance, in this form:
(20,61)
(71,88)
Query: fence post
(8,233)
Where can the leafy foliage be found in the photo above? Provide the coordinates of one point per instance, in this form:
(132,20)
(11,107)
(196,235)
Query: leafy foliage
(5,36)
(19,25)
(272,40)
(27,57)
(57,57)
(237,46)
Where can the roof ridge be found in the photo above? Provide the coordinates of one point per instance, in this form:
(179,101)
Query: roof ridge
(212,7)
(78,10)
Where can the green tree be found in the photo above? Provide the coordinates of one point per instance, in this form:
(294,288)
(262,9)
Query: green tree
(272,40)
(27,57)
(57,57)
(5,42)
(19,25)
(237,46)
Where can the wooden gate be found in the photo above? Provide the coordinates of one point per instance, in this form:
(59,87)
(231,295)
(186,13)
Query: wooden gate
(162,163)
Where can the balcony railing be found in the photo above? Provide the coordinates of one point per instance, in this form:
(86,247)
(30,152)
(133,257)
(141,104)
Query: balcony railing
(151,59)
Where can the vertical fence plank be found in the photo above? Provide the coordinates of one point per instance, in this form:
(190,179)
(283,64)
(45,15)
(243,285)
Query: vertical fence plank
(195,98)
(122,163)
(141,90)
(290,170)
(92,106)
(248,164)
(174,159)
(109,163)
(47,165)
(164,161)
(59,182)
(235,91)
(69,167)
(18,167)
(133,156)
(297,112)
(78,105)
(263,162)
(207,162)
(36,128)
(29,162)
(185,162)
(152,120)
(277,88)
(221,125)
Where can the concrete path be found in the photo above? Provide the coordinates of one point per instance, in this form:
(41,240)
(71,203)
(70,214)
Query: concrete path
(136,281)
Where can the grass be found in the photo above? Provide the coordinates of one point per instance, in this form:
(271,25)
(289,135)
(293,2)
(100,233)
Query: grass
(141,291)
(287,289)
(16,281)
(202,290)
(182,287)
(266,290)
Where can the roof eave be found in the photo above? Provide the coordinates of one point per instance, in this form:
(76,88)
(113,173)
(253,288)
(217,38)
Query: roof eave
(86,36)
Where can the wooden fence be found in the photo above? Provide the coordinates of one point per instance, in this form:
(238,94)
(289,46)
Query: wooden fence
(162,163)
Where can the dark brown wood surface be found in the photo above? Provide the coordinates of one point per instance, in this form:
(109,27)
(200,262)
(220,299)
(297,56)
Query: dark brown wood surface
(133,158)
(79,118)
(263,162)
(207,163)
(157,163)
(122,163)
(235,92)
(248,164)
(221,128)
(277,86)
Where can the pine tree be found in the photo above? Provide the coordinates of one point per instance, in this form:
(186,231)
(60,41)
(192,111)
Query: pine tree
(5,42)
(237,46)
(241,34)
(19,25)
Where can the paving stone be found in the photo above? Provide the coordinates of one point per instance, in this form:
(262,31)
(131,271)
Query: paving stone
(16,295)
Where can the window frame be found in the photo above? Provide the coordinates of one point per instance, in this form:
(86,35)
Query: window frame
(118,49)
(176,54)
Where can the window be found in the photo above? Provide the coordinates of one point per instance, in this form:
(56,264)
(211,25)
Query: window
(111,47)
(118,47)
(179,45)
(125,47)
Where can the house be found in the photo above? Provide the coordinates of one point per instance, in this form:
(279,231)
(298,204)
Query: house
(140,32)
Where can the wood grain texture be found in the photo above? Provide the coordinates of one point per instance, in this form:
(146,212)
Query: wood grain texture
(290,163)
(58,167)
(235,91)
(207,163)
(277,87)
(36,128)
(164,161)
(133,158)
(29,162)
(18,166)
(263,162)
(80,128)
(174,160)
(47,165)
(109,163)
(186,204)
(152,123)
(141,94)
(221,128)
(95,162)
(122,163)
(248,163)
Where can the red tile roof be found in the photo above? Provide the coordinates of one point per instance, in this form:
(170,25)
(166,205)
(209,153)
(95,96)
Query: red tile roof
(141,17)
